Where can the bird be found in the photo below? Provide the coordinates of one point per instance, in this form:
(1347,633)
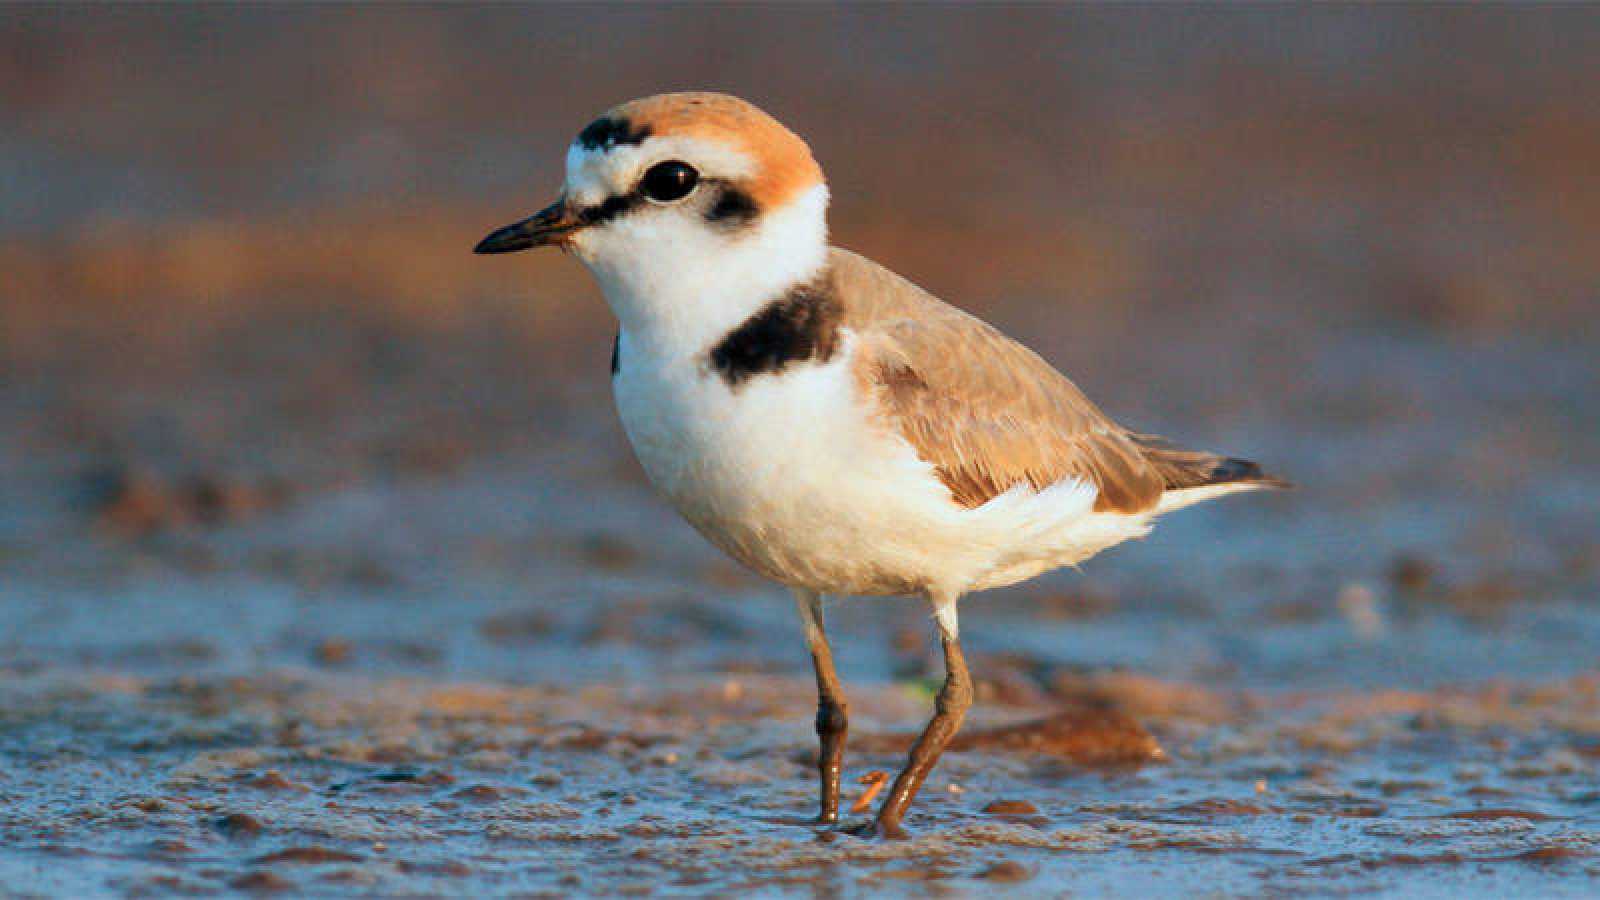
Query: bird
(824,421)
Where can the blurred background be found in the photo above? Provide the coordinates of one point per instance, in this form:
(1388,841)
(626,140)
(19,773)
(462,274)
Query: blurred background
(242,337)
(263,412)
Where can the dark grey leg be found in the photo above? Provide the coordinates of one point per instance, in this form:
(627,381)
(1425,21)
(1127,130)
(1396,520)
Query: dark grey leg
(832,722)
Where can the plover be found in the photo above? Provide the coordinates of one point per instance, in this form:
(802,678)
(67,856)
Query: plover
(823,420)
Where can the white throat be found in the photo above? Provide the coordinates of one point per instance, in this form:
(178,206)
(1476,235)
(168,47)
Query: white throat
(678,286)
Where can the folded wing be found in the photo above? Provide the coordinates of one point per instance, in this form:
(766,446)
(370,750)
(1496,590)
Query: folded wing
(986,412)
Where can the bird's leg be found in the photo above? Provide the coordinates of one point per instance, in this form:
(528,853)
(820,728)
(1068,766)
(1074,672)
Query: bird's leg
(949,709)
(832,723)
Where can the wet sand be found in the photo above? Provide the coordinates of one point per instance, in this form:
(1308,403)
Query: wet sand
(308,782)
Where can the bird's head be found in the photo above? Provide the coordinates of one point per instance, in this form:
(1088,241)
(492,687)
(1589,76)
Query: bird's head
(676,186)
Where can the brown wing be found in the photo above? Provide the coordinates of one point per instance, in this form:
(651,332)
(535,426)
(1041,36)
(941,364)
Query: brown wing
(985,411)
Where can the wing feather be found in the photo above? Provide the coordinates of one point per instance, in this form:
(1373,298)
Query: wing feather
(986,412)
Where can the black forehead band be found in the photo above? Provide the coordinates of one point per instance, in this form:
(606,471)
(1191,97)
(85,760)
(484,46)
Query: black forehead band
(607,132)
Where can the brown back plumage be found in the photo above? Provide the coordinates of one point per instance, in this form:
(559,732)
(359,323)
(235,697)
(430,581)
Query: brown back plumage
(988,413)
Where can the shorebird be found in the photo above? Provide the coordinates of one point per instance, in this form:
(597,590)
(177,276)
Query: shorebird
(824,421)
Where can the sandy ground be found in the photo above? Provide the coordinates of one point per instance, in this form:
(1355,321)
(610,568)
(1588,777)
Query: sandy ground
(324,568)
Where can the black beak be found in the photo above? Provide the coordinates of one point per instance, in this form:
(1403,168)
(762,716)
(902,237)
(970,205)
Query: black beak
(550,225)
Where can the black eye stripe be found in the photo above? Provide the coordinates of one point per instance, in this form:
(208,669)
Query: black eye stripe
(610,208)
(732,208)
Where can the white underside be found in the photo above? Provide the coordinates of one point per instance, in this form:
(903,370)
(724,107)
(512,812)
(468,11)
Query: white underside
(788,474)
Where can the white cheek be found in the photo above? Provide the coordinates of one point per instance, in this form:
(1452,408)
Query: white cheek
(651,248)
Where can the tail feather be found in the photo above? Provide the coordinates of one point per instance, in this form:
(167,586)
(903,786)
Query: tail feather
(1195,475)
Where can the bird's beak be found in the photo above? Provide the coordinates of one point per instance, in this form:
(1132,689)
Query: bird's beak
(551,225)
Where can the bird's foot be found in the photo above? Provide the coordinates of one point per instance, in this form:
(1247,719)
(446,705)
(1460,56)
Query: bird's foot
(877,830)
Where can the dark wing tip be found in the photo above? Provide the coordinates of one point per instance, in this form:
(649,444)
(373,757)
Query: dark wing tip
(1192,468)
(1230,469)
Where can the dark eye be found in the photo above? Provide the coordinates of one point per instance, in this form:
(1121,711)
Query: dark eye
(668,181)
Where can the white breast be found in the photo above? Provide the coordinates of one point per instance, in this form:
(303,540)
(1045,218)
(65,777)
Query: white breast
(787,474)
(780,471)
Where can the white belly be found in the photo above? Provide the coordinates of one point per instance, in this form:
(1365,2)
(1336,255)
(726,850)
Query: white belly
(786,474)
(781,471)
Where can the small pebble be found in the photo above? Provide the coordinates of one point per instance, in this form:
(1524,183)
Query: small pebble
(236,825)
(1006,870)
(1011,808)
(261,882)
